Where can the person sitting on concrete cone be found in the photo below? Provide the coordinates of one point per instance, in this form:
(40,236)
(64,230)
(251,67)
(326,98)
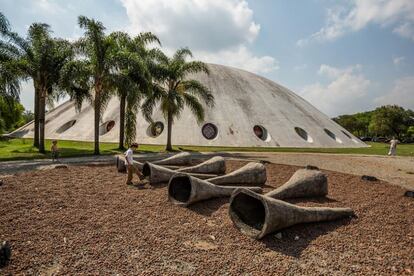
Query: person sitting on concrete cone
(131,169)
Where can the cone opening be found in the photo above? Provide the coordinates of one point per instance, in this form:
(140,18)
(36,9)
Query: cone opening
(146,170)
(249,212)
(180,188)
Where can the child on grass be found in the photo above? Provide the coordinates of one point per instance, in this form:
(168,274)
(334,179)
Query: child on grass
(55,151)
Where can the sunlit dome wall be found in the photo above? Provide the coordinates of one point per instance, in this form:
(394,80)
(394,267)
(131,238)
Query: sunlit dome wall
(249,111)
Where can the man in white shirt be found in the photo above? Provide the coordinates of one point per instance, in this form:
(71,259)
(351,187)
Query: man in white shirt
(130,164)
(393,147)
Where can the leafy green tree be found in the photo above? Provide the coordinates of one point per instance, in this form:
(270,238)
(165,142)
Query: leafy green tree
(9,71)
(38,57)
(173,90)
(132,62)
(28,116)
(11,115)
(49,56)
(92,76)
(390,120)
(357,123)
(410,131)
(349,122)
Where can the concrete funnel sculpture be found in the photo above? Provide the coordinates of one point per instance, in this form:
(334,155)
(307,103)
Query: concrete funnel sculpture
(215,165)
(251,173)
(303,183)
(257,215)
(159,174)
(121,164)
(180,159)
(184,190)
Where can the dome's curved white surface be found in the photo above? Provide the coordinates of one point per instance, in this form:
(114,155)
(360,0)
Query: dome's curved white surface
(242,101)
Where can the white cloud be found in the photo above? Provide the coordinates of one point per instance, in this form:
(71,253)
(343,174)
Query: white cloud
(218,31)
(49,6)
(333,72)
(300,67)
(344,92)
(405,30)
(398,61)
(402,93)
(200,24)
(239,57)
(342,20)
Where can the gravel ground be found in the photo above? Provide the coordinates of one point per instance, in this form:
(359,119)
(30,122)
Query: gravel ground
(85,220)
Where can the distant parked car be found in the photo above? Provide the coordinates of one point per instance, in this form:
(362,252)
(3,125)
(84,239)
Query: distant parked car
(365,139)
(380,139)
(408,140)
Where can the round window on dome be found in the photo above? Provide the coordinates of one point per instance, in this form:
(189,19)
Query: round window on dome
(303,134)
(261,132)
(209,131)
(346,134)
(332,135)
(66,126)
(106,127)
(155,129)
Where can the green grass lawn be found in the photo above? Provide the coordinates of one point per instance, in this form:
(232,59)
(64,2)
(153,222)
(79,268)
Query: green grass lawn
(18,149)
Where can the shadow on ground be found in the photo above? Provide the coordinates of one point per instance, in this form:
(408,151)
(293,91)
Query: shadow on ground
(208,207)
(287,245)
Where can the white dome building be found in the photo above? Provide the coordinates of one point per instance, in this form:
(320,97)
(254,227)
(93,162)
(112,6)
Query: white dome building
(250,111)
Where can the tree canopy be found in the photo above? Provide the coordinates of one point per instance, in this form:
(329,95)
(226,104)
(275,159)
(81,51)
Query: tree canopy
(386,121)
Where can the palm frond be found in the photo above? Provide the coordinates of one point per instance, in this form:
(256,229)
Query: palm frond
(195,106)
(199,90)
(75,80)
(4,24)
(148,38)
(194,67)
(157,93)
(181,54)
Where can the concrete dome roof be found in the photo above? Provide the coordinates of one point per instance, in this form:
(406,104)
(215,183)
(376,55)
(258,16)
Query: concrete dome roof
(249,111)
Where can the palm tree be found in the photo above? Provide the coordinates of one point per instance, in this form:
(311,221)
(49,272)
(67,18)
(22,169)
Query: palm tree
(173,91)
(50,55)
(39,57)
(9,72)
(92,75)
(133,78)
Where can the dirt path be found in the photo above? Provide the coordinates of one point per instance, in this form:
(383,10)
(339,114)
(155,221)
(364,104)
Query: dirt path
(395,170)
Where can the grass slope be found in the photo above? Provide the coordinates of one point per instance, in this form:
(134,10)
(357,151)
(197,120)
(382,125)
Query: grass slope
(17,149)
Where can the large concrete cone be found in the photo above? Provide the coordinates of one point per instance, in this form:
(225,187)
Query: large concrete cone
(180,159)
(184,190)
(257,215)
(303,183)
(159,174)
(215,165)
(121,164)
(252,173)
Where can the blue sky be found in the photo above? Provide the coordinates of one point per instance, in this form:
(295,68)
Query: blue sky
(342,56)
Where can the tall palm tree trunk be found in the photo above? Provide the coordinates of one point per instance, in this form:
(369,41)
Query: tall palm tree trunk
(42,111)
(36,118)
(122,122)
(97,120)
(170,121)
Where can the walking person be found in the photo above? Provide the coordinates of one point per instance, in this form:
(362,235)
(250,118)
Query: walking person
(393,147)
(131,169)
